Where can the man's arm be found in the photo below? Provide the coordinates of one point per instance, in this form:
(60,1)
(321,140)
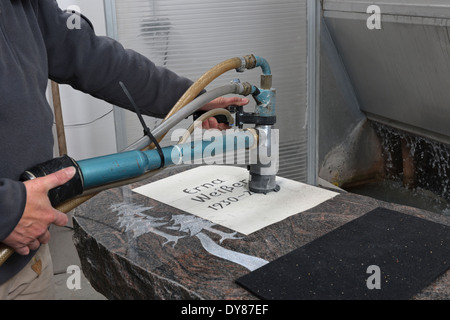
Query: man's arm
(12,199)
(95,65)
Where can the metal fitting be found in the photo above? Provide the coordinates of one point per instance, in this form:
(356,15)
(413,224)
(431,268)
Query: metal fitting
(247,88)
(266,81)
(243,65)
(250,61)
(263,172)
(244,88)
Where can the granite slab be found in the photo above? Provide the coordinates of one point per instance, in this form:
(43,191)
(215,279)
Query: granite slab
(134,247)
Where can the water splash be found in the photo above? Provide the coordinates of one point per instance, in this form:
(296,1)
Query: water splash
(431,163)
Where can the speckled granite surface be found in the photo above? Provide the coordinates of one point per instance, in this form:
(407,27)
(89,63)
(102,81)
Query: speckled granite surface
(133,247)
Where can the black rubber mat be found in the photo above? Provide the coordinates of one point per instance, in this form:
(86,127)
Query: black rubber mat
(382,255)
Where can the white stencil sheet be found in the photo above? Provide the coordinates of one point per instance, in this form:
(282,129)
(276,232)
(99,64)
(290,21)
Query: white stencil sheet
(220,194)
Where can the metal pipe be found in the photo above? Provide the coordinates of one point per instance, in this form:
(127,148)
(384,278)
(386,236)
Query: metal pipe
(264,65)
(264,171)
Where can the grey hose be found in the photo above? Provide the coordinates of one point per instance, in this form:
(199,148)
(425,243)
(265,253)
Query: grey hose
(164,127)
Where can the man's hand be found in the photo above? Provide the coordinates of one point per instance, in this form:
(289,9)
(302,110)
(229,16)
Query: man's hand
(32,229)
(221,102)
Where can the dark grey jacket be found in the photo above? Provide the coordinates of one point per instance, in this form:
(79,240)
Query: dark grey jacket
(35,45)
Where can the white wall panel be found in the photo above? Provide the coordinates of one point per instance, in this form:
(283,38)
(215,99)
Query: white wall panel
(192,36)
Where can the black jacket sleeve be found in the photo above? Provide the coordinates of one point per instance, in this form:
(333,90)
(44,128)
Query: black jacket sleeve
(95,65)
(12,200)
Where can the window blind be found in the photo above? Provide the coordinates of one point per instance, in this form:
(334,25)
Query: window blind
(191,36)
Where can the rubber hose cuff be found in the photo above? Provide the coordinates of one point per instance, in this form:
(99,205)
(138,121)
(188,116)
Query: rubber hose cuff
(72,188)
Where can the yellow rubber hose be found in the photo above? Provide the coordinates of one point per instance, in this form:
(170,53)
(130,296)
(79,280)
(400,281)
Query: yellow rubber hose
(199,85)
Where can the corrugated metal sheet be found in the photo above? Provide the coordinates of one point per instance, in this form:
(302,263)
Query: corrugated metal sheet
(401,72)
(420,8)
(190,37)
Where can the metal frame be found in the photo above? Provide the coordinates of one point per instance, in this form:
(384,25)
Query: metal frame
(313,16)
(119,113)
